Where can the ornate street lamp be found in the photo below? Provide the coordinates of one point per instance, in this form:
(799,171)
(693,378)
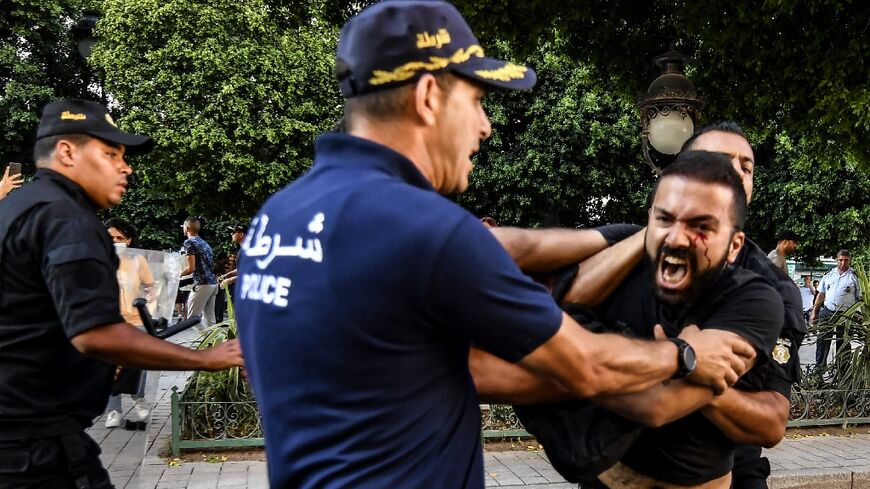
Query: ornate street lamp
(670,111)
(83,32)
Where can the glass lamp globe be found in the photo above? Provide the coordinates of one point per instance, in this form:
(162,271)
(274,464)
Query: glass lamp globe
(85,46)
(667,133)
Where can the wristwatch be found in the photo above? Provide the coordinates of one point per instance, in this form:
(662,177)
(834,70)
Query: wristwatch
(685,358)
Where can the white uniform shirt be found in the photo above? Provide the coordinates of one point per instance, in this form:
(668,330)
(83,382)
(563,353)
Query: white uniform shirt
(841,289)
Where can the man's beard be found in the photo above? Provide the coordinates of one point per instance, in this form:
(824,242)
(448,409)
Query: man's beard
(701,281)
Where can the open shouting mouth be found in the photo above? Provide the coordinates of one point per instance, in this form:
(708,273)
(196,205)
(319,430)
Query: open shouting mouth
(674,270)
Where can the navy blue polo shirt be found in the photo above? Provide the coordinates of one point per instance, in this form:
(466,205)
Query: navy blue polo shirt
(361,290)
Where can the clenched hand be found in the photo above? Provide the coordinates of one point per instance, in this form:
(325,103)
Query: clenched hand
(722,357)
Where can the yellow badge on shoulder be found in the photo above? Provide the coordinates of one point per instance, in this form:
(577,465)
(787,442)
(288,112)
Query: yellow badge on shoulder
(781,354)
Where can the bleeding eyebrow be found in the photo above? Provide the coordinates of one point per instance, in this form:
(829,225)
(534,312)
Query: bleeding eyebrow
(708,218)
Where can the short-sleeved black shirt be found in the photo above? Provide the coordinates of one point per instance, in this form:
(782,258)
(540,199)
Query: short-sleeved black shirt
(57,279)
(692,450)
(784,368)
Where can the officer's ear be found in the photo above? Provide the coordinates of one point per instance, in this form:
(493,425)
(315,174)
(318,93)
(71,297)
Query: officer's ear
(65,151)
(428,99)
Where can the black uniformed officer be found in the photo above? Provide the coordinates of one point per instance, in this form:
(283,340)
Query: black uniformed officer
(61,331)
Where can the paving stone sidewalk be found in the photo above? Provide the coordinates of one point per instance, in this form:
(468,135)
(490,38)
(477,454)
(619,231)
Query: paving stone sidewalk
(134,460)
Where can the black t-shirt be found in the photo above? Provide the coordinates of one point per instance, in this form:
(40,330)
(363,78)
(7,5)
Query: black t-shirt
(692,450)
(784,368)
(57,279)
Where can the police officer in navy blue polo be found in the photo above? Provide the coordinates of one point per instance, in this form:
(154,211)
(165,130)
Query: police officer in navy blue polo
(362,288)
(61,331)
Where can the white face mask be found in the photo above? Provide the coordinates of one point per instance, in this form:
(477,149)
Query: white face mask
(120,247)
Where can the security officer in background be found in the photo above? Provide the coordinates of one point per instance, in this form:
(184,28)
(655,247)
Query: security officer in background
(840,289)
(61,331)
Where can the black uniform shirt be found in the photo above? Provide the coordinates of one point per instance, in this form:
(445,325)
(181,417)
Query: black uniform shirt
(57,279)
(691,450)
(784,368)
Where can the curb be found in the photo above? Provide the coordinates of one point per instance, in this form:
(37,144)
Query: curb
(846,478)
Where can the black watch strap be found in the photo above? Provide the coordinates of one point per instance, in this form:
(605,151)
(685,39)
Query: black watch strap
(685,358)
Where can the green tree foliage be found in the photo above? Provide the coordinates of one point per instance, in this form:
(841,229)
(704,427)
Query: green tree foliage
(233,93)
(38,63)
(777,66)
(827,208)
(566,153)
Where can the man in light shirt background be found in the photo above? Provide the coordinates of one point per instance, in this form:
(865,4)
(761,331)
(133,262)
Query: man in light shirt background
(838,290)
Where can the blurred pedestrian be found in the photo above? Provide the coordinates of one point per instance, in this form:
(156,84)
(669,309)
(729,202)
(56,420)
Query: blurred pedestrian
(134,280)
(199,262)
(786,242)
(808,296)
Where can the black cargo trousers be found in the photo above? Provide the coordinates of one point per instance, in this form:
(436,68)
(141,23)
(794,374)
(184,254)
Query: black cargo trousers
(61,462)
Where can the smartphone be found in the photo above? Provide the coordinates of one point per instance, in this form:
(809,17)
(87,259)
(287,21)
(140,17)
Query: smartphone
(14,169)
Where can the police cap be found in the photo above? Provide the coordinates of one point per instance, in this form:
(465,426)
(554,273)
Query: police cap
(76,116)
(397,41)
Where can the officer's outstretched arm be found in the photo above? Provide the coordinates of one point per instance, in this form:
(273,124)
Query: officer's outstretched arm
(600,274)
(546,250)
(757,418)
(124,344)
(589,364)
(500,381)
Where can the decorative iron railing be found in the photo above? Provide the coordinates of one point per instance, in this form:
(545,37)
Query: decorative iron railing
(197,424)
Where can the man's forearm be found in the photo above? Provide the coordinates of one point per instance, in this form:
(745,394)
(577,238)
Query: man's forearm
(820,301)
(545,250)
(658,405)
(590,364)
(600,274)
(758,418)
(123,344)
(497,380)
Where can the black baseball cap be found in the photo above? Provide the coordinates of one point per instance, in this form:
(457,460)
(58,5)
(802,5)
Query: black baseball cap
(238,228)
(394,42)
(76,116)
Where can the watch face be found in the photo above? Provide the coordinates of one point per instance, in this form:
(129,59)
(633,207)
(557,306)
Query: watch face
(689,358)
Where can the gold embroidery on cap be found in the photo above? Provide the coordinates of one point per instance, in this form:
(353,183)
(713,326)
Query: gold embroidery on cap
(408,70)
(110,121)
(69,116)
(426,40)
(507,72)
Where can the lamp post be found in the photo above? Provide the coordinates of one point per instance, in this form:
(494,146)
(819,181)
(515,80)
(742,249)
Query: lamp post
(83,34)
(670,110)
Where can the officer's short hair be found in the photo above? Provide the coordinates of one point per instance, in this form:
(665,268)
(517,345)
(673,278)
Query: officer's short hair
(844,252)
(44,147)
(721,126)
(386,104)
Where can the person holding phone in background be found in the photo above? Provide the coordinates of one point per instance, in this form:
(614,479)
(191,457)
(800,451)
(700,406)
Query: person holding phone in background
(12,179)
